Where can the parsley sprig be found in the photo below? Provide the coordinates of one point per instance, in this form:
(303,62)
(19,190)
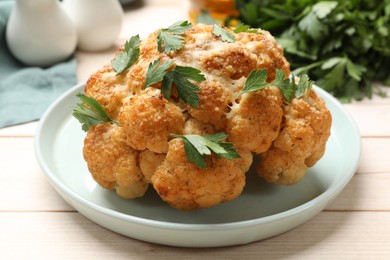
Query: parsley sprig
(257,80)
(89,112)
(170,39)
(245,28)
(225,35)
(198,147)
(156,72)
(343,45)
(180,75)
(128,57)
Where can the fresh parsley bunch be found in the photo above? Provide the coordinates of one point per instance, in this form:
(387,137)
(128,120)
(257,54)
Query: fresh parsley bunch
(344,45)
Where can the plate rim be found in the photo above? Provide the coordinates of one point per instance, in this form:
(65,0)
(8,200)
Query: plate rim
(324,197)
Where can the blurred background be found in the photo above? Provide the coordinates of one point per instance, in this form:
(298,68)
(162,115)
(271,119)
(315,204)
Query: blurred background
(344,46)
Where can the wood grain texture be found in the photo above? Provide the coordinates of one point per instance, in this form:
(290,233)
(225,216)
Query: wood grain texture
(23,130)
(24,185)
(349,235)
(36,223)
(371,118)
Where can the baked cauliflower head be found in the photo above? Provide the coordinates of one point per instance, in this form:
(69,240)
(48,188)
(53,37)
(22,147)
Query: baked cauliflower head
(186,109)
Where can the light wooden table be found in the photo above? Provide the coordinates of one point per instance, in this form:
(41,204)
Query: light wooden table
(35,223)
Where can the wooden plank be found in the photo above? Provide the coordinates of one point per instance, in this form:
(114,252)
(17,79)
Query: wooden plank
(350,235)
(364,192)
(24,186)
(375,155)
(372,119)
(25,130)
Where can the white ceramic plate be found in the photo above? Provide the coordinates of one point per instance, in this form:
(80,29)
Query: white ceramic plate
(263,210)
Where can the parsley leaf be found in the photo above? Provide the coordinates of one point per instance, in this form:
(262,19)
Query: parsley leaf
(187,91)
(312,26)
(169,39)
(180,75)
(225,35)
(245,28)
(156,72)
(128,57)
(257,80)
(342,45)
(323,8)
(90,112)
(197,147)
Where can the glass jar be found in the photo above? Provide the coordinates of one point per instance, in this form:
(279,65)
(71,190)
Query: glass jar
(218,9)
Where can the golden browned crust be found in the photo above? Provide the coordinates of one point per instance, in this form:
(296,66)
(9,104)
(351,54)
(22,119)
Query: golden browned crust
(289,137)
(255,120)
(184,186)
(300,143)
(112,163)
(148,120)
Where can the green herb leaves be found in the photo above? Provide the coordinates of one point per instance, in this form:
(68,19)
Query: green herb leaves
(197,147)
(187,91)
(343,45)
(90,112)
(156,72)
(180,75)
(257,80)
(128,57)
(245,28)
(225,35)
(169,39)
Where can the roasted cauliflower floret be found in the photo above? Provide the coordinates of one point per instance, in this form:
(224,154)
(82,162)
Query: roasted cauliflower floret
(254,121)
(269,53)
(185,186)
(194,126)
(149,161)
(148,119)
(300,143)
(108,89)
(112,163)
(163,92)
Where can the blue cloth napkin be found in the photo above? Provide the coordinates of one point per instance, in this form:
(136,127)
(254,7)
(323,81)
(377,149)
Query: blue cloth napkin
(26,92)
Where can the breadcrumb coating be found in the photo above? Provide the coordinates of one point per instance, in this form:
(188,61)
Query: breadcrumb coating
(148,119)
(185,186)
(149,161)
(289,137)
(254,121)
(112,163)
(300,143)
(108,89)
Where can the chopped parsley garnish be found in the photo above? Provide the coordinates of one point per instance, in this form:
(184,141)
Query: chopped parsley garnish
(128,57)
(225,35)
(257,80)
(245,28)
(180,75)
(343,45)
(198,147)
(90,112)
(156,72)
(170,39)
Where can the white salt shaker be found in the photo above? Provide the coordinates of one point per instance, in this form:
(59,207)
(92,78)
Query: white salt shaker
(40,33)
(98,22)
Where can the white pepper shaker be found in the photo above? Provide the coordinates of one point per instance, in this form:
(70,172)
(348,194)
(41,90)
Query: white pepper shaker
(98,22)
(40,33)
